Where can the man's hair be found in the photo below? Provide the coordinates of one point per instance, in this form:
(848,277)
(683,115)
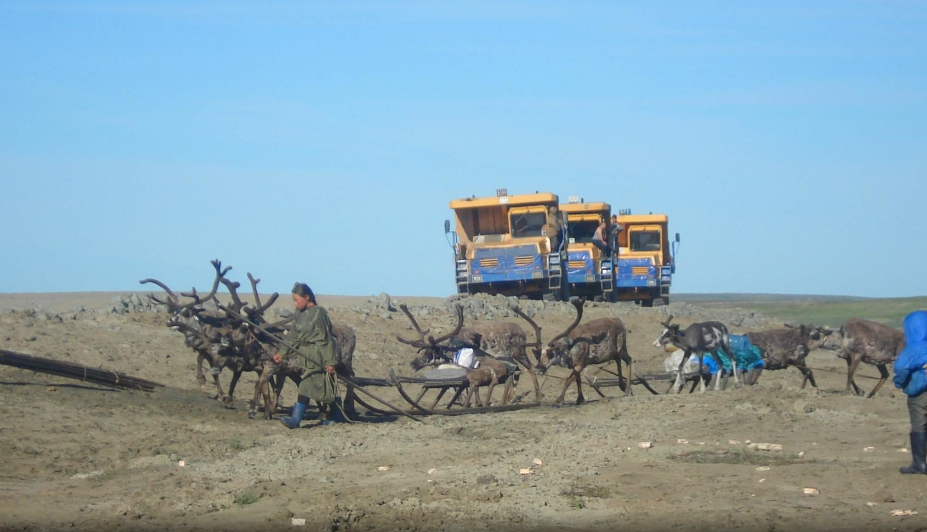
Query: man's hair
(303,290)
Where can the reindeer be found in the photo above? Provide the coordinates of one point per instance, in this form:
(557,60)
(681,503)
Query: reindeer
(866,341)
(596,342)
(504,339)
(782,348)
(698,338)
(345,342)
(200,327)
(433,352)
(218,336)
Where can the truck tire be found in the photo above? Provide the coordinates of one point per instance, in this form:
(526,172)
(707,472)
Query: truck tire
(646,303)
(666,300)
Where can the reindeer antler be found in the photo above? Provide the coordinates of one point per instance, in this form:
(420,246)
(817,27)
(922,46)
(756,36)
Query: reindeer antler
(173,302)
(537,328)
(667,322)
(578,303)
(453,333)
(420,343)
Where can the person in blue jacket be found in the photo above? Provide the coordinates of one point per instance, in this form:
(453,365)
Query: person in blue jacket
(911,376)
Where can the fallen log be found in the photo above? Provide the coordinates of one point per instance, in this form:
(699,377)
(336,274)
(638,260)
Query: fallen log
(80,372)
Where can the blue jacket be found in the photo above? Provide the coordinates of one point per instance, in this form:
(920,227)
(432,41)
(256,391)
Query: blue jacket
(910,374)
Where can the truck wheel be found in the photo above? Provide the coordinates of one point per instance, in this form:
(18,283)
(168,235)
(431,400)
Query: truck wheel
(666,300)
(647,303)
(549,295)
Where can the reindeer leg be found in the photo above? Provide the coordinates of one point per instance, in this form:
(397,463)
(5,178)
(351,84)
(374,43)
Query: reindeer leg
(200,377)
(235,376)
(264,388)
(220,395)
(679,373)
(719,377)
(349,395)
(627,360)
(701,388)
(883,372)
(566,384)
(579,390)
(492,386)
(852,363)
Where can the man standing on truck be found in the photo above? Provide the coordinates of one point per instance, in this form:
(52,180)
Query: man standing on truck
(616,228)
(554,228)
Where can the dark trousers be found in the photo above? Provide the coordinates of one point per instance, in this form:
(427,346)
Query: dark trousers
(917,407)
(602,246)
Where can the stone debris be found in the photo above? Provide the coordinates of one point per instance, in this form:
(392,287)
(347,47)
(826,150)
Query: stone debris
(298,521)
(181,463)
(524,471)
(733,442)
(682,441)
(538,462)
(903,450)
(645,445)
(902,513)
(763,468)
(812,491)
(81,476)
(432,471)
(761,480)
(871,504)
(383,468)
(868,449)
(773,447)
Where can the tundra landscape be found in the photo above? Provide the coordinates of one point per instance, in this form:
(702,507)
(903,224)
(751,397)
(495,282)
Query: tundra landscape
(772,456)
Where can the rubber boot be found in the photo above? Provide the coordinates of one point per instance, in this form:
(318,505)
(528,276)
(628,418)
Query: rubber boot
(919,453)
(324,413)
(296,416)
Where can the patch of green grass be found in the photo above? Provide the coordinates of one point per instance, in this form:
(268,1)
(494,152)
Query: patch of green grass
(578,495)
(577,503)
(596,492)
(235,445)
(747,457)
(249,497)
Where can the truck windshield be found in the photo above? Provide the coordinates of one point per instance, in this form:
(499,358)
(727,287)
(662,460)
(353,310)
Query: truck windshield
(582,232)
(528,224)
(645,241)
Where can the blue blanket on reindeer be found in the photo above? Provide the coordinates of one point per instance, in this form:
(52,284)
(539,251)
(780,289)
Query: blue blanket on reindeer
(748,356)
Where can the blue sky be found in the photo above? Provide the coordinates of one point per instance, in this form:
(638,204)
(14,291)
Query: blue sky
(322,141)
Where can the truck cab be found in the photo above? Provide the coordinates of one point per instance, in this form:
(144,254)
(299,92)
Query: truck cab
(501,246)
(646,262)
(589,269)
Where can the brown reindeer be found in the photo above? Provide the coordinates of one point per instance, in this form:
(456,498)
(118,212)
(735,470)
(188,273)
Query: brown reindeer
(866,341)
(596,342)
(201,327)
(434,351)
(502,339)
(782,348)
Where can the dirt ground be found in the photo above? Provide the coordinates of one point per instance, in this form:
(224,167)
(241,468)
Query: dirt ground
(83,457)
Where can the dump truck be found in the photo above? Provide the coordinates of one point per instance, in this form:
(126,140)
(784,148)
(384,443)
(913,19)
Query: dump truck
(501,246)
(646,261)
(589,269)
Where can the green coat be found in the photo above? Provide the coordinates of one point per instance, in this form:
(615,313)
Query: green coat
(311,335)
